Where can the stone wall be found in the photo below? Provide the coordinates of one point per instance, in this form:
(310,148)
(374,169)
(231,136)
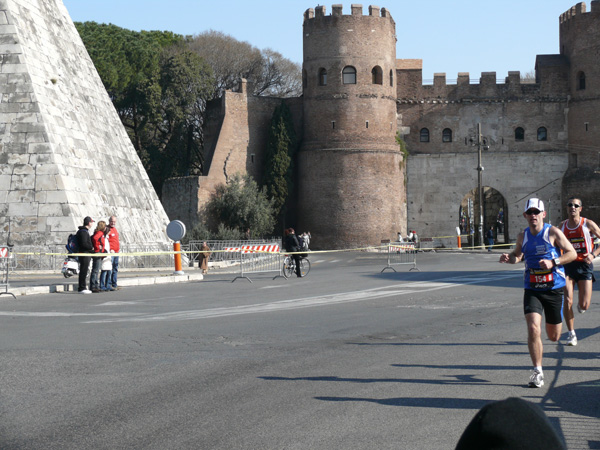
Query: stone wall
(438,184)
(64,152)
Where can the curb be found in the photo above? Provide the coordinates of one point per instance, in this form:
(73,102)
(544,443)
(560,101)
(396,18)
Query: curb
(124,282)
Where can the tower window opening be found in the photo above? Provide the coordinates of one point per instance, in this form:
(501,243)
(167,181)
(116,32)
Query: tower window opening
(333,124)
(519,134)
(252,158)
(581,81)
(349,75)
(323,77)
(391,77)
(586,125)
(304,79)
(424,135)
(377,75)
(367,124)
(447,135)
(542,134)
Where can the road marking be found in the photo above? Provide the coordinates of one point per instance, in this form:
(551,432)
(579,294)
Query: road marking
(323,300)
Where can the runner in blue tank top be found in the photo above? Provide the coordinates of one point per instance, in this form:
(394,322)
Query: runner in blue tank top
(544,279)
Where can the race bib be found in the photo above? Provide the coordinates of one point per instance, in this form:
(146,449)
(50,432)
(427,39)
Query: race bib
(541,278)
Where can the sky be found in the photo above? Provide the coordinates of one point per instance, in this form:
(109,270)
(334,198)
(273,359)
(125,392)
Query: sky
(450,36)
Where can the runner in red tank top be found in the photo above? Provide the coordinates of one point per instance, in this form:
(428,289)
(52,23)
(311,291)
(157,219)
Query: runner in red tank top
(579,231)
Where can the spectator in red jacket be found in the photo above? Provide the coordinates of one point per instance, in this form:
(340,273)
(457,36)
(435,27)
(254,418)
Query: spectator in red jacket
(113,239)
(98,239)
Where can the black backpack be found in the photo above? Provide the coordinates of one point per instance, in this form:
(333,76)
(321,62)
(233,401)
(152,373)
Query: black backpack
(72,245)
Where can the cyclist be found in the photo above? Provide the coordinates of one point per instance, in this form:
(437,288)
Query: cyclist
(293,246)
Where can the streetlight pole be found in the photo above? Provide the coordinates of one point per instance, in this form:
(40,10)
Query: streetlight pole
(479,183)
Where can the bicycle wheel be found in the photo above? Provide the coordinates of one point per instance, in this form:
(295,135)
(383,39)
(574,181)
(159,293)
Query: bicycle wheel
(304,267)
(288,267)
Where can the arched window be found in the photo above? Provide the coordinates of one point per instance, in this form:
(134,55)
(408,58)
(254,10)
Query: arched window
(581,81)
(542,134)
(377,75)
(447,135)
(349,75)
(424,135)
(391,77)
(322,77)
(519,134)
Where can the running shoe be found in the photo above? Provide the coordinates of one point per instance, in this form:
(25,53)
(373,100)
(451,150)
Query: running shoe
(85,291)
(572,340)
(536,379)
(581,311)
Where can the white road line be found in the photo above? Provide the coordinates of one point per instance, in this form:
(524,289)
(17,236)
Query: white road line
(331,299)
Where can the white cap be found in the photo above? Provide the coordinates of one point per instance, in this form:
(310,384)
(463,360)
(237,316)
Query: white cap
(534,203)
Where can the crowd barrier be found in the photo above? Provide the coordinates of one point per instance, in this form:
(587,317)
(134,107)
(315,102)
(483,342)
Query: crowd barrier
(6,257)
(401,253)
(257,259)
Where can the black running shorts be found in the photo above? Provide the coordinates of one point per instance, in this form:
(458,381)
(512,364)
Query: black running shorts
(579,270)
(544,302)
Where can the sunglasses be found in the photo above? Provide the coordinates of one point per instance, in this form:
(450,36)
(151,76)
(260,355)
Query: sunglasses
(573,205)
(532,212)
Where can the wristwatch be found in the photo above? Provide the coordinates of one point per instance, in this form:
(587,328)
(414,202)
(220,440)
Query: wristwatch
(556,261)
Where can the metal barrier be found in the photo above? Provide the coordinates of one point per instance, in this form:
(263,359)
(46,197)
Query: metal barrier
(257,259)
(217,247)
(401,253)
(5,259)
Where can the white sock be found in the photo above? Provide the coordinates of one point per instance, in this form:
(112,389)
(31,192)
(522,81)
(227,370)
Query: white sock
(539,369)
(572,333)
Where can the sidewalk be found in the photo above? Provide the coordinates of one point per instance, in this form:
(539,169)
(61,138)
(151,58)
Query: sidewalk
(46,282)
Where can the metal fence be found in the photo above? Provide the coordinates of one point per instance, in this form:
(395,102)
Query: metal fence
(6,257)
(401,253)
(217,248)
(258,262)
(51,257)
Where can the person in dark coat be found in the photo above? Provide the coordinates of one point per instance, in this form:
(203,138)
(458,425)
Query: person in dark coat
(84,242)
(292,245)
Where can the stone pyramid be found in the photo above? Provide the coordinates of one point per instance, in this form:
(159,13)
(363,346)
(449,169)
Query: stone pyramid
(64,153)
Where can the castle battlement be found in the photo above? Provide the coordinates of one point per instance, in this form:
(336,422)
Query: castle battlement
(578,10)
(356,11)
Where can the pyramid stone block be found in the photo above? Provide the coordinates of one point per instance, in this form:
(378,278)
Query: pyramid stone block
(64,153)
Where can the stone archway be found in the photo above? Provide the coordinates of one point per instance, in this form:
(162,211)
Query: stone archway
(495,214)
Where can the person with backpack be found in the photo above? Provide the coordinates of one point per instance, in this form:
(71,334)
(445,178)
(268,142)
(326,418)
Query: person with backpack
(84,245)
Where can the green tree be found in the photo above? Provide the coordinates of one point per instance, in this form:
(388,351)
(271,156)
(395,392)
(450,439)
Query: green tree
(281,146)
(239,205)
(159,90)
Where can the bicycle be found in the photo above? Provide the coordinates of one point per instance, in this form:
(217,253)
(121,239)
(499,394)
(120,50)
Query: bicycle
(289,266)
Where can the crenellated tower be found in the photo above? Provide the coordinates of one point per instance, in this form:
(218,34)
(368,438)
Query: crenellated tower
(580,45)
(351,171)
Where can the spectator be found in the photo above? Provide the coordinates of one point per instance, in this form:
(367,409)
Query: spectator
(490,238)
(510,424)
(98,242)
(113,239)
(106,268)
(203,257)
(84,244)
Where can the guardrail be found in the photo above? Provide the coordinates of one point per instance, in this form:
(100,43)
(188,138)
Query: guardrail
(6,257)
(401,253)
(257,259)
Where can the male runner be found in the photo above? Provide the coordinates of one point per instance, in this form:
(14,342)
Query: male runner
(544,279)
(578,231)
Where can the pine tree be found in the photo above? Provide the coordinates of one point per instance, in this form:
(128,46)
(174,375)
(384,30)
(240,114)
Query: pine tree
(281,146)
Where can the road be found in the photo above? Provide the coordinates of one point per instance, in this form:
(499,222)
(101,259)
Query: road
(346,358)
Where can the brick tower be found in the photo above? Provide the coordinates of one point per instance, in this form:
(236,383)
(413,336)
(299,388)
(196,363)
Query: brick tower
(580,44)
(351,170)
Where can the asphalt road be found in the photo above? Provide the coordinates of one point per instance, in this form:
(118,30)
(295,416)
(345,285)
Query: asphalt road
(346,358)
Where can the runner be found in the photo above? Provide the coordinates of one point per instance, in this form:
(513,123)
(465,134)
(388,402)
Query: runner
(544,279)
(577,229)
